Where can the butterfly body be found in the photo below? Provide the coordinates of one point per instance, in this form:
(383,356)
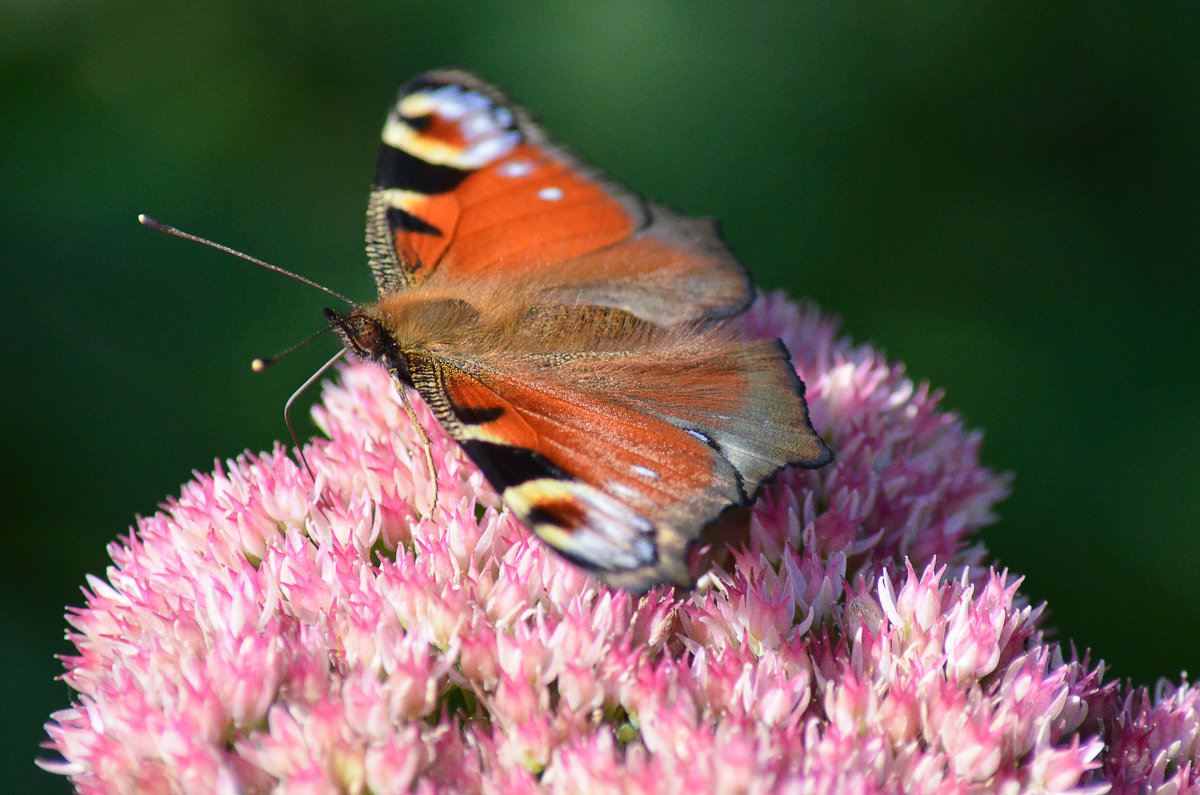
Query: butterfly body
(583,346)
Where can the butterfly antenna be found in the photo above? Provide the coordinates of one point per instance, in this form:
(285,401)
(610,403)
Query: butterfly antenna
(425,441)
(287,407)
(159,226)
(259,364)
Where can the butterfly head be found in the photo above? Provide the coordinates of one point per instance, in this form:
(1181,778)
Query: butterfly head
(365,337)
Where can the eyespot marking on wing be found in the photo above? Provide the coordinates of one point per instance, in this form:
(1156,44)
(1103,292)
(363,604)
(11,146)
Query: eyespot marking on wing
(451,126)
(585,525)
(566,514)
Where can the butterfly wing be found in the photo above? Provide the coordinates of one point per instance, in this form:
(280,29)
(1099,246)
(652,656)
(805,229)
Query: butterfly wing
(617,448)
(466,184)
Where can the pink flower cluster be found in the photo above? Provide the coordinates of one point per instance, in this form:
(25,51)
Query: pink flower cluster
(251,637)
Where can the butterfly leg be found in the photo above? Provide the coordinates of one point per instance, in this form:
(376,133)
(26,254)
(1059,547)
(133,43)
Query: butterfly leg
(425,441)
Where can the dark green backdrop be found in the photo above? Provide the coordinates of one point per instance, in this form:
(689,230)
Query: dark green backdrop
(1006,199)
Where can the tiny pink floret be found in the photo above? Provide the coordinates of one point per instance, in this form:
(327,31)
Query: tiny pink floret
(263,632)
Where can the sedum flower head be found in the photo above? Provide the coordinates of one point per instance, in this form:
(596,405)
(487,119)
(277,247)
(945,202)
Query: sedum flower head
(253,637)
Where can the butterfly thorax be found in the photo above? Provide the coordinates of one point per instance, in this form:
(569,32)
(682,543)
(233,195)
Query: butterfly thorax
(481,320)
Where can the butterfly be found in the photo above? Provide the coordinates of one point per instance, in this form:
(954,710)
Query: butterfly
(581,344)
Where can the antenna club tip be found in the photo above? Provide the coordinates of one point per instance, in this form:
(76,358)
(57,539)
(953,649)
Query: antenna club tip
(154,223)
(258,365)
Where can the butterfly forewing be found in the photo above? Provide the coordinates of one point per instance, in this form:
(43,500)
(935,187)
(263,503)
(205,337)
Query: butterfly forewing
(582,345)
(465,176)
(466,182)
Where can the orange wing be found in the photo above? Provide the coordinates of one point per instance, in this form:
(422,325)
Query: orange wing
(618,462)
(467,183)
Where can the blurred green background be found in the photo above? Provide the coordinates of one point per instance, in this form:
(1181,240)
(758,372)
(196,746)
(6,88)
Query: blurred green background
(1005,198)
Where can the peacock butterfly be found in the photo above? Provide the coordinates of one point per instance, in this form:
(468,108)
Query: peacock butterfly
(582,345)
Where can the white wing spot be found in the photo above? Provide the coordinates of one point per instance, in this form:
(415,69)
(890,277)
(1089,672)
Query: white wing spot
(645,472)
(473,102)
(622,491)
(492,148)
(645,549)
(698,435)
(452,102)
(447,102)
(515,168)
(550,194)
(474,125)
